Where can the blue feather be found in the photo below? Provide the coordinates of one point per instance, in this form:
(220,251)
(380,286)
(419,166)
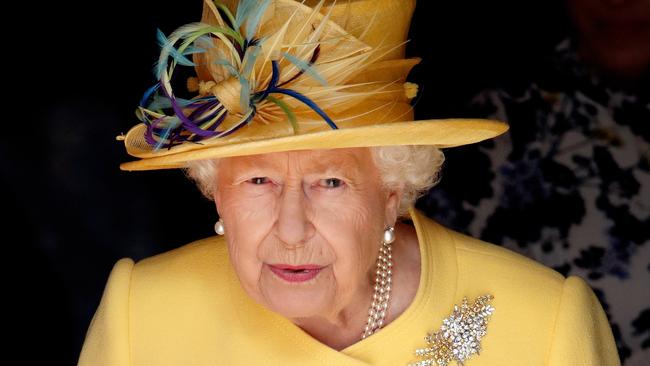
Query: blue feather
(310,103)
(148,93)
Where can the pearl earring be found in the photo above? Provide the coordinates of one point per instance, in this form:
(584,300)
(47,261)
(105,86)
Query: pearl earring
(219,228)
(389,235)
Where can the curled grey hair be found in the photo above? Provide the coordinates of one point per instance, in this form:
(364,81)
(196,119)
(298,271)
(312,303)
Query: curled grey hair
(417,167)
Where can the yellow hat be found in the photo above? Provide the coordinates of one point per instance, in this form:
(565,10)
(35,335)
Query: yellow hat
(280,75)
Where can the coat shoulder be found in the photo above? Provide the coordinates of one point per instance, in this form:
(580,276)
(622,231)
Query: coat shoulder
(194,265)
(210,250)
(497,262)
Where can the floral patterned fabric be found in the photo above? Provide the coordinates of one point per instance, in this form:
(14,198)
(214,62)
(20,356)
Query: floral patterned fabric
(568,185)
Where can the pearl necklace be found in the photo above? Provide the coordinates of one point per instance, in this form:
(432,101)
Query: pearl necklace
(383,282)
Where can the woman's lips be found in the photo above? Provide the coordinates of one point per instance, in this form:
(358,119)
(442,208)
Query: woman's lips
(296,273)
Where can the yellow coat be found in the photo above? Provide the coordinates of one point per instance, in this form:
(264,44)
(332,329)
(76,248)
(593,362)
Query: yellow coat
(186,307)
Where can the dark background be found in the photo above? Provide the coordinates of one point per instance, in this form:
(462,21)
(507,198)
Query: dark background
(76,72)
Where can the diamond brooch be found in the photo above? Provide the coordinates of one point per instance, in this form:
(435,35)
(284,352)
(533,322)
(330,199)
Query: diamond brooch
(459,336)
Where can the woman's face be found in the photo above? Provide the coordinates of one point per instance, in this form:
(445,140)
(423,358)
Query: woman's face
(323,208)
(614,34)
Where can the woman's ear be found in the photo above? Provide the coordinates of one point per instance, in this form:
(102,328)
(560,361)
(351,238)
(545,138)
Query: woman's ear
(393,199)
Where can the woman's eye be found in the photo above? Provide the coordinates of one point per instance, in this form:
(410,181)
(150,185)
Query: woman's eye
(331,182)
(258,180)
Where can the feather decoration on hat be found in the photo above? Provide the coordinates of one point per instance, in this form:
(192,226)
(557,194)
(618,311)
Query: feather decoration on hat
(270,62)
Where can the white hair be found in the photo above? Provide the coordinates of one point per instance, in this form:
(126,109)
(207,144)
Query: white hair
(415,167)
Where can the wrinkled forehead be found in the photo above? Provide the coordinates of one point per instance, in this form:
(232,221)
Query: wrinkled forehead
(349,160)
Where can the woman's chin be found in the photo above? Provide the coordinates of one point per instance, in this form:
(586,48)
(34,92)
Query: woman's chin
(296,299)
(295,312)
(297,305)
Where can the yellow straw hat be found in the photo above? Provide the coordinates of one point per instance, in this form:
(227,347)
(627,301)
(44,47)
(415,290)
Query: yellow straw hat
(280,75)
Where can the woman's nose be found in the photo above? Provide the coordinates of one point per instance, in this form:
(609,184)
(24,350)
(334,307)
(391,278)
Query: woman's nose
(293,227)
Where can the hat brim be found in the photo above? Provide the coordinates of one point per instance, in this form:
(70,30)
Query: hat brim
(442,133)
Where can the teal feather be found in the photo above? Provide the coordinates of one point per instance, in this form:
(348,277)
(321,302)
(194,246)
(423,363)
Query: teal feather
(249,59)
(245,95)
(306,67)
(184,102)
(160,102)
(167,47)
(254,18)
(228,65)
(172,122)
(192,49)
(243,10)
(161,64)
(204,42)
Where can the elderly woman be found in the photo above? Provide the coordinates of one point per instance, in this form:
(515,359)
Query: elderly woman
(303,135)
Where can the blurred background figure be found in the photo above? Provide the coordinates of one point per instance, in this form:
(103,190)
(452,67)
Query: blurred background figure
(570,182)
